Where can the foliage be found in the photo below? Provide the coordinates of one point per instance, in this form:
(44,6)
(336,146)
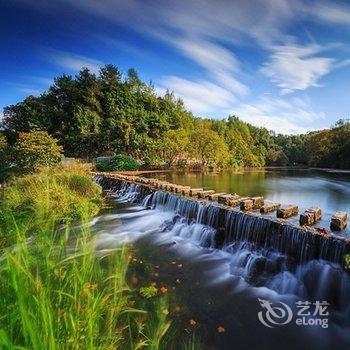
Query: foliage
(328,148)
(57,293)
(42,200)
(96,114)
(118,162)
(34,150)
(209,147)
(148,292)
(91,115)
(4,159)
(175,143)
(347,262)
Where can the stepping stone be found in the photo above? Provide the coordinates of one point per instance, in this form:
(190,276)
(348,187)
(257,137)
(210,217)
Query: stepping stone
(228,199)
(215,196)
(247,204)
(205,194)
(186,190)
(179,189)
(258,202)
(194,191)
(288,211)
(339,221)
(310,216)
(269,208)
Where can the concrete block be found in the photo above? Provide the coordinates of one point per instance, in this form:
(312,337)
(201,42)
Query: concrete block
(258,202)
(288,211)
(215,196)
(339,221)
(246,204)
(194,191)
(205,194)
(227,198)
(269,208)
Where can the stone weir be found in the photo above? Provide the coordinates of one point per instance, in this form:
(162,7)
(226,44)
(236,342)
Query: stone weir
(233,223)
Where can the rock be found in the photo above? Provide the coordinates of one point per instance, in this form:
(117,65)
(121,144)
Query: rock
(310,216)
(205,194)
(194,191)
(307,219)
(215,196)
(247,204)
(164,185)
(159,184)
(268,208)
(339,221)
(228,199)
(258,202)
(316,212)
(186,190)
(168,186)
(287,211)
(180,189)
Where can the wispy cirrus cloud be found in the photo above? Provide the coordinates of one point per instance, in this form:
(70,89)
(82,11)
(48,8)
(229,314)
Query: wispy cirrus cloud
(296,67)
(220,63)
(72,61)
(203,97)
(286,116)
(332,12)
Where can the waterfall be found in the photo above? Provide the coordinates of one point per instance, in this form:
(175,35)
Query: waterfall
(265,253)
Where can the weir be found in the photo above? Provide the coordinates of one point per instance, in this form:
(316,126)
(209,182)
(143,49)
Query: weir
(230,225)
(296,262)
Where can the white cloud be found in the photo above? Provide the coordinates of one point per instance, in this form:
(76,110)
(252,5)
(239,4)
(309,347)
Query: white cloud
(202,97)
(284,116)
(220,63)
(331,12)
(72,61)
(294,67)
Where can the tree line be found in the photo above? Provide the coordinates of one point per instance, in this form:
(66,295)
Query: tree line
(110,113)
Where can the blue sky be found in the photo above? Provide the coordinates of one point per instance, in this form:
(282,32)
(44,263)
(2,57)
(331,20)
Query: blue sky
(283,64)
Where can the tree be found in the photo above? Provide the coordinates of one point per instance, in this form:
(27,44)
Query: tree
(175,143)
(209,147)
(4,163)
(34,150)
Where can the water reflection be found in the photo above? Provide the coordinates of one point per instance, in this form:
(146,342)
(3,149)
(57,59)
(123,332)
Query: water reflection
(306,188)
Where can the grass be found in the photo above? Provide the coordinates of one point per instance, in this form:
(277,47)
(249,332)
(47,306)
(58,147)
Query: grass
(56,291)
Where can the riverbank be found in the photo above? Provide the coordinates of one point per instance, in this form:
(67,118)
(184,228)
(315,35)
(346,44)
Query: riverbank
(237,171)
(58,289)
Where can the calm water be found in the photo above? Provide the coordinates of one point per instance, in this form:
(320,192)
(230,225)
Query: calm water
(306,188)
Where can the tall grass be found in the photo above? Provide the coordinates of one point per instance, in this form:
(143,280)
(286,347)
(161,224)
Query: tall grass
(56,292)
(41,201)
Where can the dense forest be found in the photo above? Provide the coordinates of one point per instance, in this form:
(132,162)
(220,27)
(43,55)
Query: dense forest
(94,115)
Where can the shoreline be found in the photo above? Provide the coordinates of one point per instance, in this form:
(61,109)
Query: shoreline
(300,168)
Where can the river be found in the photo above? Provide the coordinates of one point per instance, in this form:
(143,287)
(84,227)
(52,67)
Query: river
(241,296)
(306,188)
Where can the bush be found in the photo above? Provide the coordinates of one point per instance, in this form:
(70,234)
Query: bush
(118,162)
(153,161)
(36,149)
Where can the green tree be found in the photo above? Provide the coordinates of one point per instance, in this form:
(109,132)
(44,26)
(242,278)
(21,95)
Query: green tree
(209,147)
(34,150)
(175,143)
(4,159)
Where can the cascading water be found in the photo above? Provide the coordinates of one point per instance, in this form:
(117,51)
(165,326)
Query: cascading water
(263,253)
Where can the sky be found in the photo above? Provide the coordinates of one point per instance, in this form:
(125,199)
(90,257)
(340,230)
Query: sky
(281,64)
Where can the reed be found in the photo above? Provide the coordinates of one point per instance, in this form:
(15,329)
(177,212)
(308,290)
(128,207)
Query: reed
(56,291)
